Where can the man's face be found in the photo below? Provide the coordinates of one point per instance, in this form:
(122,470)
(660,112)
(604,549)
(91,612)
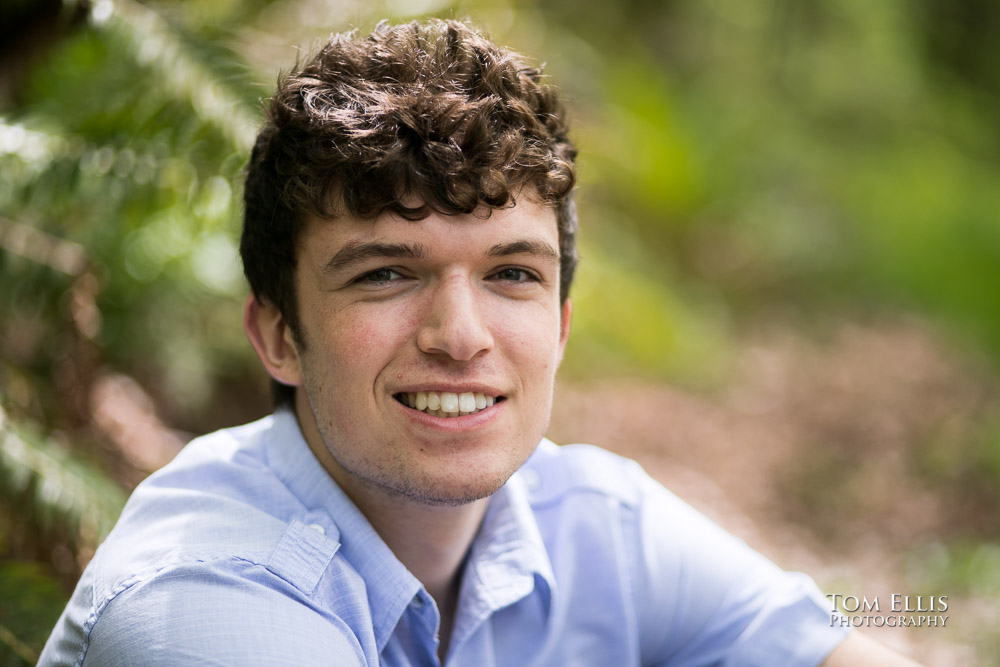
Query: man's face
(447,310)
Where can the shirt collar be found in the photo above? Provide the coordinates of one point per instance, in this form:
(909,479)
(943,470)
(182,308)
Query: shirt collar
(389,585)
(507,560)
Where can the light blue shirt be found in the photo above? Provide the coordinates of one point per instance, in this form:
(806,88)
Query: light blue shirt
(243,551)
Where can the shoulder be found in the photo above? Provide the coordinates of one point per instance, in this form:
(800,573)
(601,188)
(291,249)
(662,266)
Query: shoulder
(193,613)
(217,499)
(696,592)
(213,548)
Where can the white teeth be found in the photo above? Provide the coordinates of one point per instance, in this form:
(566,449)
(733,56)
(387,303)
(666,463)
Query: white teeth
(447,404)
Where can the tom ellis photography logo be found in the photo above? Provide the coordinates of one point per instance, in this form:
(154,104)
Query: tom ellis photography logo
(902,611)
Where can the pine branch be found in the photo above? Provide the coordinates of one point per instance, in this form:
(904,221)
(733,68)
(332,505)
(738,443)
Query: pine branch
(60,491)
(157,45)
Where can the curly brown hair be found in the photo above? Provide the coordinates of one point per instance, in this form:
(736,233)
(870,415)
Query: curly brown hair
(426,113)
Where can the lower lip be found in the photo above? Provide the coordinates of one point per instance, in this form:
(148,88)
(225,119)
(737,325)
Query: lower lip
(461,423)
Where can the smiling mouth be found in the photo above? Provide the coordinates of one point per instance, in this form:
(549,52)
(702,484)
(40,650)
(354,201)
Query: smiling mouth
(447,404)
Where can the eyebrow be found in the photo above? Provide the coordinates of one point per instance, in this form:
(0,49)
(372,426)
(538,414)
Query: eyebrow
(535,247)
(356,252)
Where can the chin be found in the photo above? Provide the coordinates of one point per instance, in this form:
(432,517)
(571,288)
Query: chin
(445,492)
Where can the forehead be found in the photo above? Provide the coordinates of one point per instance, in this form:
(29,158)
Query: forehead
(527,220)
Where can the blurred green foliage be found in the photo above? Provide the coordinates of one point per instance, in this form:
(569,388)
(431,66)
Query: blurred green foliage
(56,491)
(56,507)
(741,161)
(33,601)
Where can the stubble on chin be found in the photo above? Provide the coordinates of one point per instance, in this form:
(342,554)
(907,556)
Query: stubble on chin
(401,482)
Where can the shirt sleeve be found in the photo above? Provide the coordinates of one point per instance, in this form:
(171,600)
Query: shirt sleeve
(704,597)
(194,615)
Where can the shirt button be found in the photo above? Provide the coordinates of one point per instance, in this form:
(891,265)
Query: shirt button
(318,528)
(418,601)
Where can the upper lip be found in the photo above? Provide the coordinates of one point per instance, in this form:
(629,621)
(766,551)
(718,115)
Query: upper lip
(450,387)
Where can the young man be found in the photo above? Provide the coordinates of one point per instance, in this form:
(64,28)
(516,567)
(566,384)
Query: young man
(409,240)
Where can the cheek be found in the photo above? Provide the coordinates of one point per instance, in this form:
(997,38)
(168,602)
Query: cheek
(343,366)
(358,343)
(532,337)
(359,340)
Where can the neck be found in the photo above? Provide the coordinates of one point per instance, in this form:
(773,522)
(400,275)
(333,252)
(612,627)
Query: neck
(431,541)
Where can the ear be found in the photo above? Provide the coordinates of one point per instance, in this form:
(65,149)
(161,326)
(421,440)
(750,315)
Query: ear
(272,339)
(564,326)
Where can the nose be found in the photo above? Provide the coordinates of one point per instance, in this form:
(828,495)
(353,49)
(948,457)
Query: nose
(453,324)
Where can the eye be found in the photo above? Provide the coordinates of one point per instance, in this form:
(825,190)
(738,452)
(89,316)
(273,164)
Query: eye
(379,276)
(515,275)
